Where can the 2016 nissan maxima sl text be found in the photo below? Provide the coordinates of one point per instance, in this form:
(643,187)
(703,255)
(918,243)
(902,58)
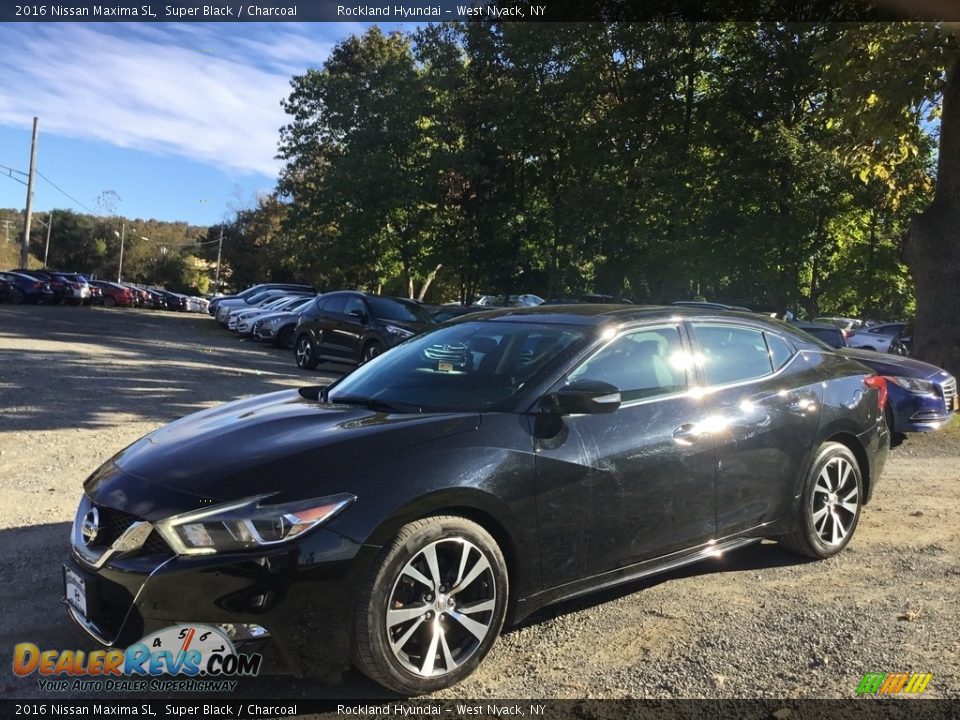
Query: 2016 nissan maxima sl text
(398,518)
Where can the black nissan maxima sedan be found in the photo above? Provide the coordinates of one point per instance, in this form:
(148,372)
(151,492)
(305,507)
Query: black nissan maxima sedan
(397,518)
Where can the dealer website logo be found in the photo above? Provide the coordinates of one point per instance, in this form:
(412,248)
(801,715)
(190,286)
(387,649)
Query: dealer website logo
(198,657)
(894,683)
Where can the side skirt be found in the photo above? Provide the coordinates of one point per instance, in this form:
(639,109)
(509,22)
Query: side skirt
(613,578)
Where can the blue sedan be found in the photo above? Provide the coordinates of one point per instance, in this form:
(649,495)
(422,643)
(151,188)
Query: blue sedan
(920,396)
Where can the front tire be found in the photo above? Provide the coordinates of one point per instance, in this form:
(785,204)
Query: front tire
(285,337)
(305,353)
(830,505)
(432,607)
(370,351)
(109,301)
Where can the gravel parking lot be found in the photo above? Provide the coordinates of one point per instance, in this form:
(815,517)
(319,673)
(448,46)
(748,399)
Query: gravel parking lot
(78,384)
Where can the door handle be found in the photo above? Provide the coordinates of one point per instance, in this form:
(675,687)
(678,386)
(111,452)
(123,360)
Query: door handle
(686,434)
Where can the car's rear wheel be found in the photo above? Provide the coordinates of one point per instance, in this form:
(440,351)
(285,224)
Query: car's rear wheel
(305,353)
(285,337)
(830,504)
(109,301)
(432,606)
(16,297)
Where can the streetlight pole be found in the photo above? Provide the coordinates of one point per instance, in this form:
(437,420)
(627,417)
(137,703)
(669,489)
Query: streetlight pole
(216,280)
(123,230)
(46,249)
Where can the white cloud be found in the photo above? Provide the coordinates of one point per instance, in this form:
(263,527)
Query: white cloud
(202,92)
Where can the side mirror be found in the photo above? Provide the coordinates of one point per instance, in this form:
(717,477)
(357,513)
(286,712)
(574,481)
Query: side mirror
(314,392)
(587,397)
(359,315)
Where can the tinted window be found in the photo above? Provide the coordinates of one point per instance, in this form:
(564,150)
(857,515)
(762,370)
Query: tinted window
(833,338)
(354,304)
(780,351)
(390,309)
(732,354)
(335,304)
(469,366)
(641,364)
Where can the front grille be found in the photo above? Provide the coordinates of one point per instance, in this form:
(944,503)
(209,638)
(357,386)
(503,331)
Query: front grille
(454,354)
(113,523)
(155,545)
(949,389)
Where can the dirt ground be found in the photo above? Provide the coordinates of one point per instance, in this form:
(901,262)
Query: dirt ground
(79,384)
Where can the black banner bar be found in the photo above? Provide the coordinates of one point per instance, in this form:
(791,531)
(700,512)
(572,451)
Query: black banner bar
(423,11)
(873,708)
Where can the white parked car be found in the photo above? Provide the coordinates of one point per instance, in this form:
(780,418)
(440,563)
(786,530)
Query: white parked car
(876,337)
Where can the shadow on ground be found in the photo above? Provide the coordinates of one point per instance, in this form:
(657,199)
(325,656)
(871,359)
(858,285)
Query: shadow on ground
(67,367)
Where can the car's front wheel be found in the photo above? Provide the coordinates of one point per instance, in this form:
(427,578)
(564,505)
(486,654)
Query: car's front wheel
(370,351)
(432,606)
(285,337)
(305,353)
(109,301)
(830,505)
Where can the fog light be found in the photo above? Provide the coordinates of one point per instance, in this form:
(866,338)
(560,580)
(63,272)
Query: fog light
(238,632)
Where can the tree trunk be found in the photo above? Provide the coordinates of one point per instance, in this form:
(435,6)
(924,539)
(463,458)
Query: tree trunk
(933,249)
(426,283)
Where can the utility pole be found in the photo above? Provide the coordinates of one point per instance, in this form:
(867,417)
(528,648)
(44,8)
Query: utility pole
(216,280)
(25,246)
(46,249)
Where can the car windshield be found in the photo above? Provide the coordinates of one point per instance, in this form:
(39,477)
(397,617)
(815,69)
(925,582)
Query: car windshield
(467,367)
(390,309)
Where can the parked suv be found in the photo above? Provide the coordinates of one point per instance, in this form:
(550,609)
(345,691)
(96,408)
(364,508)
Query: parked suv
(353,327)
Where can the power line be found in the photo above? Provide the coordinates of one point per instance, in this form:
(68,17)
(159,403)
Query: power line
(91,211)
(13,170)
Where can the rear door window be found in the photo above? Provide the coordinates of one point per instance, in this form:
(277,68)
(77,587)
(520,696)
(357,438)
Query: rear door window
(732,354)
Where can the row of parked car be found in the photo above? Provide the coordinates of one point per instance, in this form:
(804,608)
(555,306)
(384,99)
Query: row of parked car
(350,327)
(50,287)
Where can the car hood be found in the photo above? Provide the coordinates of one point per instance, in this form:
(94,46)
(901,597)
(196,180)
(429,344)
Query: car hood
(283,315)
(896,365)
(412,326)
(282,442)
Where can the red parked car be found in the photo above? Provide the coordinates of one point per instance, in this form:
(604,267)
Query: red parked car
(114,294)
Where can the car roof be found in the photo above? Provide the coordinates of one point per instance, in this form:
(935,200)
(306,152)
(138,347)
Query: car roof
(602,314)
(815,326)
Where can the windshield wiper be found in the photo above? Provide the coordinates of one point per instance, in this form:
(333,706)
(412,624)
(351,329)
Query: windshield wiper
(376,404)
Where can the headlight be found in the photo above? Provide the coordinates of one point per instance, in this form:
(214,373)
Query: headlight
(399,331)
(913,385)
(247,524)
(274,321)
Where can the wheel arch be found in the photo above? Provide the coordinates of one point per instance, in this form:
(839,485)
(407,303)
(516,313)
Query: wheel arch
(487,512)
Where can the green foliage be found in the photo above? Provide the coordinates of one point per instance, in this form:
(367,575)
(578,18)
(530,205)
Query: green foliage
(655,160)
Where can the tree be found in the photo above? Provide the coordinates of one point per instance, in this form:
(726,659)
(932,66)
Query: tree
(880,114)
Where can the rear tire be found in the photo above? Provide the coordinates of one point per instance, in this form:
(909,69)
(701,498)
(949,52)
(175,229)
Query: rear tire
(830,504)
(16,297)
(432,606)
(109,301)
(305,353)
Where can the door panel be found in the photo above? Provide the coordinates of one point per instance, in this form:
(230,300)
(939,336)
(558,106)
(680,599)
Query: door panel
(762,426)
(619,488)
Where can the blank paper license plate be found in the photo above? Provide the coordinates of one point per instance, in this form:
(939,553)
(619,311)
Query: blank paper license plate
(76,590)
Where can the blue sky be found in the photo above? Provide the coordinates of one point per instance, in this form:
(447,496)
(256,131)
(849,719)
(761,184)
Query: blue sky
(180,120)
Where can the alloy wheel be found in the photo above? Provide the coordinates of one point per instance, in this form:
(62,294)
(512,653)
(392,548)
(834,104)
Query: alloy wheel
(303,352)
(835,501)
(441,608)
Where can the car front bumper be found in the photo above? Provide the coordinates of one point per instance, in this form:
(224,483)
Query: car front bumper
(303,595)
